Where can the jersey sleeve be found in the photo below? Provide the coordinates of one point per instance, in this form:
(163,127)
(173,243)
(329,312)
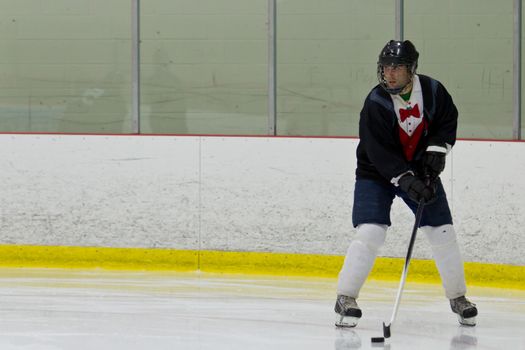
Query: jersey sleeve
(443,128)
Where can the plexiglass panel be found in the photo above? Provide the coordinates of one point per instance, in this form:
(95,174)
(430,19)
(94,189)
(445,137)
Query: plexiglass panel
(204,66)
(467,45)
(65,66)
(327,53)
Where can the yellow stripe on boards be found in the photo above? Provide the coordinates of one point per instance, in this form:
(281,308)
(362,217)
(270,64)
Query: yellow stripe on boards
(283,264)
(90,257)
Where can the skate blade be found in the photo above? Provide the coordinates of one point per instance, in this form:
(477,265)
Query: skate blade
(471,321)
(345,321)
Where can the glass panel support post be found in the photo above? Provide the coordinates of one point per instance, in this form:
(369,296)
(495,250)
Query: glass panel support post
(135,66)
(399,20)
(516,67)
(272,67)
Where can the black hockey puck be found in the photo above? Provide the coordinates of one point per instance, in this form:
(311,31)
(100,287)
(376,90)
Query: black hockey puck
(378,340)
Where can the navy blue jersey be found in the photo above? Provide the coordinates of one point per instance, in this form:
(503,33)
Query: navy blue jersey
(380,153)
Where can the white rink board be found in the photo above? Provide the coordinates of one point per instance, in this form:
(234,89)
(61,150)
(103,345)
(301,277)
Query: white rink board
(99,191)
(238,193)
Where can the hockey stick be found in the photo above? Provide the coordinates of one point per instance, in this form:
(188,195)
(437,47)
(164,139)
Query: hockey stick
(419,214)
(386,328)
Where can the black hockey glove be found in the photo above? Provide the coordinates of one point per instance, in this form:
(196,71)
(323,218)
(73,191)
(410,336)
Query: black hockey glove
(434,163)
(416,189)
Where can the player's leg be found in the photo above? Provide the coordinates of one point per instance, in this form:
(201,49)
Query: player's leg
(356,267)
(436,223)
(447,257)
(372,202)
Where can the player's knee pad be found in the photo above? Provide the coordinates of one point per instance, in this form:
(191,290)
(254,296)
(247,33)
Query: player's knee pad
(371,235)
(439,236)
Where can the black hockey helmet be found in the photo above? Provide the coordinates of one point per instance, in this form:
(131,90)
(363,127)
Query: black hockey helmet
(396,53)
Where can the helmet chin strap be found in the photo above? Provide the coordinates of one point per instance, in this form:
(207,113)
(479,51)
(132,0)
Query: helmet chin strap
(408,87)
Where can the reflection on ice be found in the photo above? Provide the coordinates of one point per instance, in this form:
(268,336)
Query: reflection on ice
(465,339)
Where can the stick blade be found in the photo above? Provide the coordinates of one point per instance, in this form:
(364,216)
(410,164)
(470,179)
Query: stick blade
(378,340)
(386,330)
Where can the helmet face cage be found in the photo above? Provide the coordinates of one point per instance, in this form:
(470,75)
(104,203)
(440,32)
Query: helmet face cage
(381,76)
(397,53)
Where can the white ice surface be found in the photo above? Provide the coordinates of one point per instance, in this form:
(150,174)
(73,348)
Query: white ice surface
(97,309)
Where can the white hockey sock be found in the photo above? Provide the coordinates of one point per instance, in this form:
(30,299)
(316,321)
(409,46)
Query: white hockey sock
(447,257)
(360,258)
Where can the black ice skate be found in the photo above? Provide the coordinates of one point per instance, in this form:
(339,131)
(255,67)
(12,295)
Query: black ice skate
(347,312)
(465,310)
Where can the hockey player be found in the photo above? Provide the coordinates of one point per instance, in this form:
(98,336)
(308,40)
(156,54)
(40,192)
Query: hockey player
(407,126)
